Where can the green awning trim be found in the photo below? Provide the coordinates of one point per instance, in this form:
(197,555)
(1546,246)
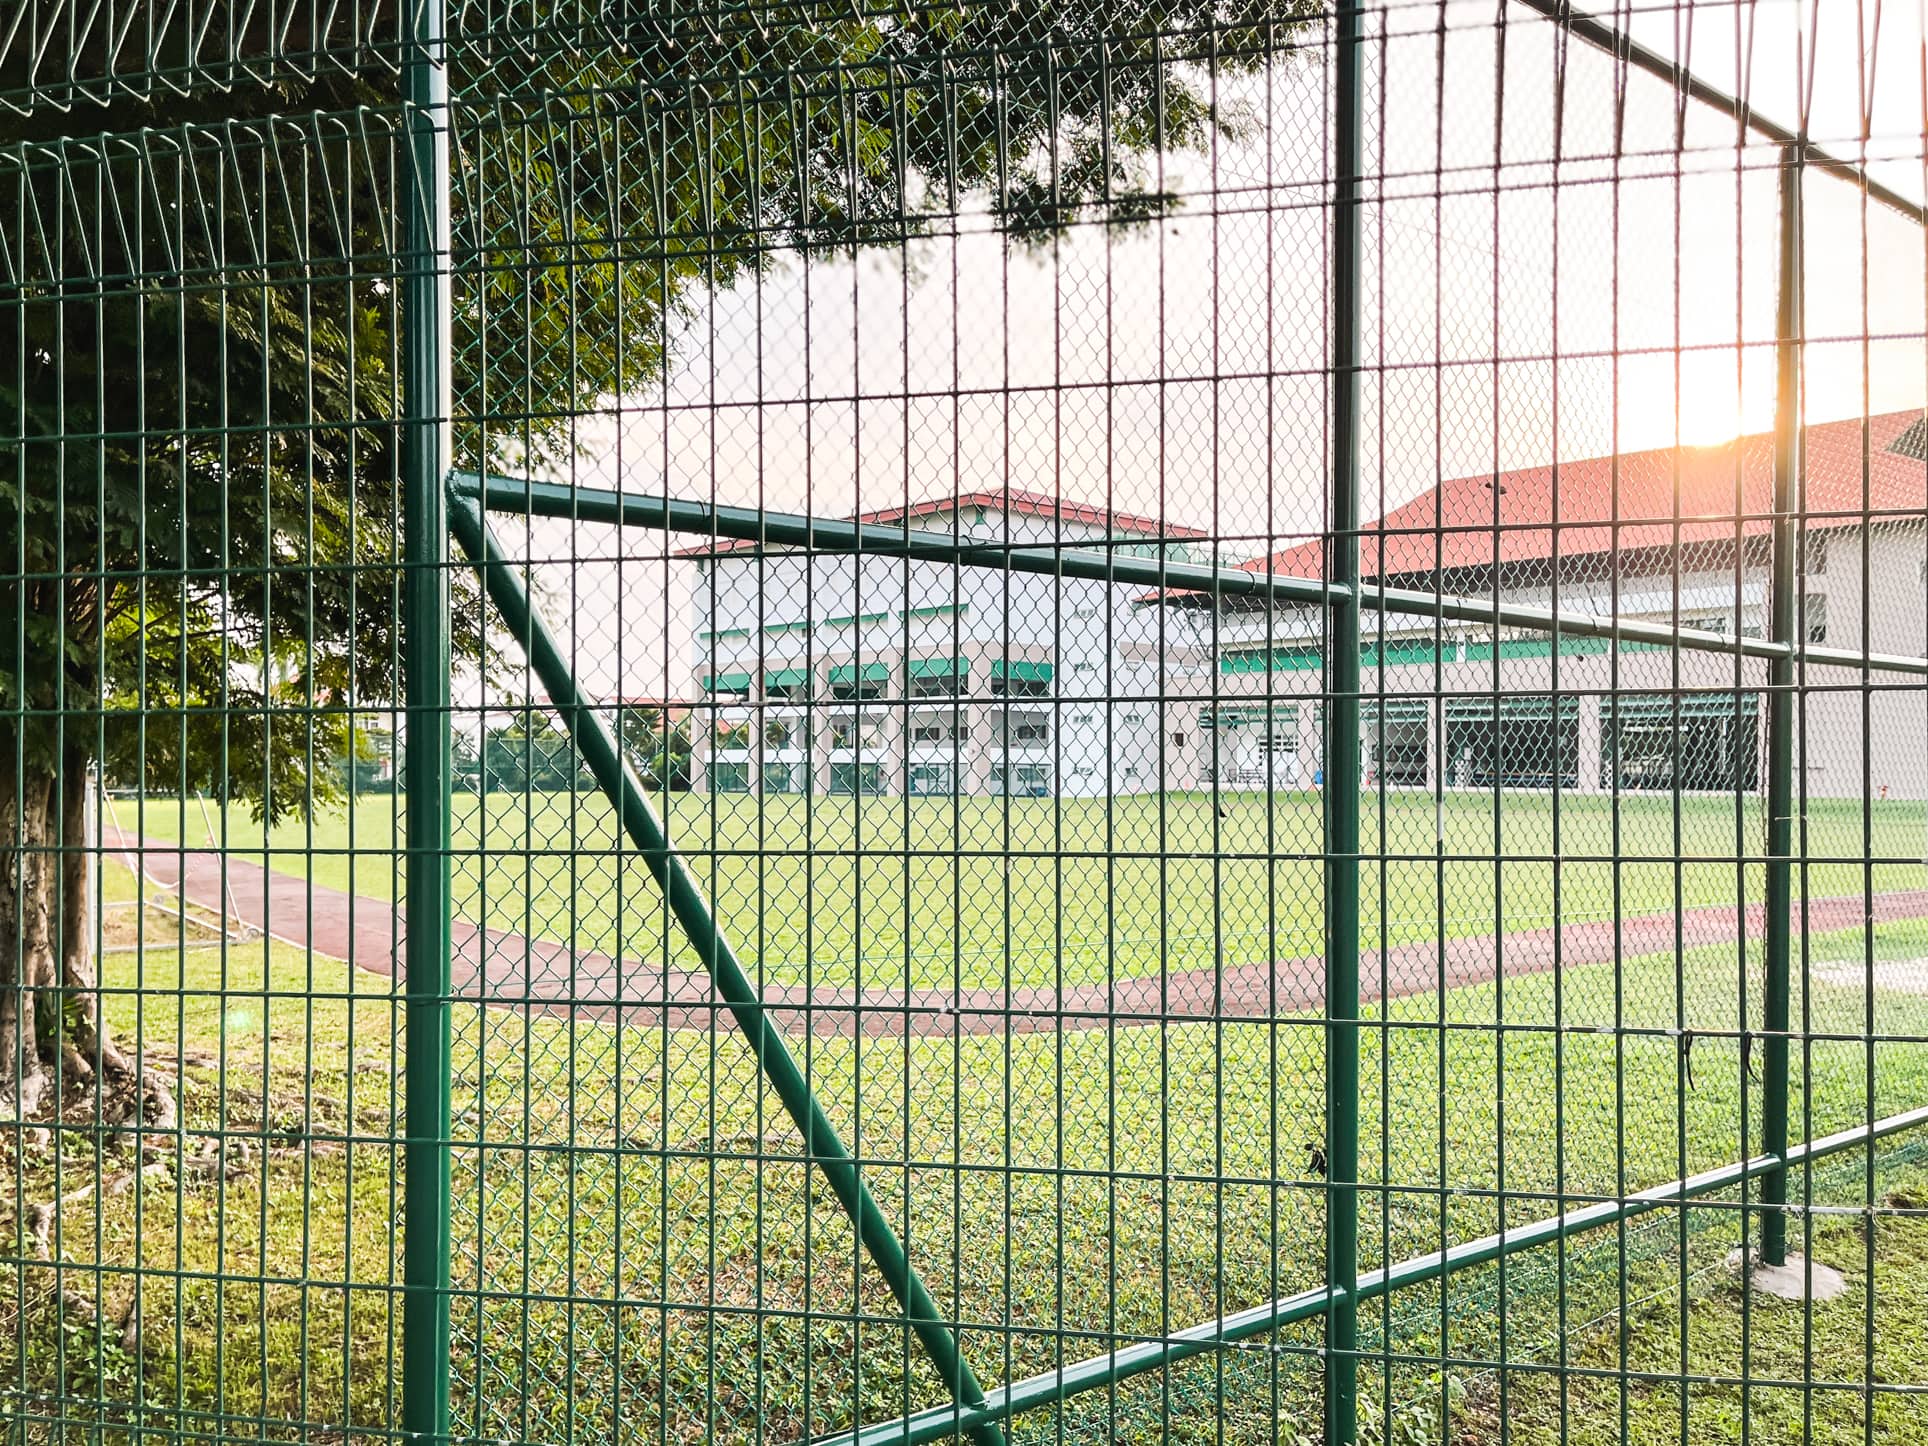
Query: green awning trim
(726,683)
(1571,646)
(1282,660)
(1406,652)
(1023,672)
(1250,715)
(786,678)
(940,667)
(872,673)
(1535,708)
(1692,705)
(1395,710)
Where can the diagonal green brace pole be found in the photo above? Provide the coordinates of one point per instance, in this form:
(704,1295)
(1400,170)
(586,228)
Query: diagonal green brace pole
(603,755)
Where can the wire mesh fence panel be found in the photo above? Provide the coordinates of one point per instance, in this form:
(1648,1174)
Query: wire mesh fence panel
(1037,723)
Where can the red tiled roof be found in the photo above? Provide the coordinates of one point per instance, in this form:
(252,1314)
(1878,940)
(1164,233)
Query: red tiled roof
(1668,492)
(1022,504)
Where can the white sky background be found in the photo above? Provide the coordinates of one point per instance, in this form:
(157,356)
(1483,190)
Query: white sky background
(1086,368)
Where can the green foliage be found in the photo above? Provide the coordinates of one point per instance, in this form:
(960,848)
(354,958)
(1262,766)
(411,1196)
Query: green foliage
(205,356)
(658,747)
(533,755)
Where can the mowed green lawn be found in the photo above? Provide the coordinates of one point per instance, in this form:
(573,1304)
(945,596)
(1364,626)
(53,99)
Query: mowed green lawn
(642,1254)
(941,893)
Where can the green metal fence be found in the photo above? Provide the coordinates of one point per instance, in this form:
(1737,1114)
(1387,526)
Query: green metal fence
(1021,723)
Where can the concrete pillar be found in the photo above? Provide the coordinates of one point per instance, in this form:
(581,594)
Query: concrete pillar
(819,725)
(702,740)
(1589,781)
(1435,723)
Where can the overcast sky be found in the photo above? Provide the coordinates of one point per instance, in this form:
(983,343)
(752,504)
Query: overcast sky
(1177,370)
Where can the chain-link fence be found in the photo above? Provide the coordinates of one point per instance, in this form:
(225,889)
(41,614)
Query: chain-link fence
(867,723)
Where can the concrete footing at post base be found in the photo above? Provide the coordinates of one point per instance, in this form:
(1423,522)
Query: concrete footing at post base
(1798,1279)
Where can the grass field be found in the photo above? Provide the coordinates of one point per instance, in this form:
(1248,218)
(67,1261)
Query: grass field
(921,892)
(641,1253)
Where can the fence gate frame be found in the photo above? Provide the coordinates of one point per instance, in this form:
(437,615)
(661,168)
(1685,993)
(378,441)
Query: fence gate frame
(440,504)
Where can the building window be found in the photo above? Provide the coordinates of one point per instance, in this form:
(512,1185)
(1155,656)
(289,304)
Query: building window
(1703,741)
(1020,688)
(1817,619)
(1031,731)
(934,687)
(934,730)
(785,777)
(854,778)
(932,778)
(1178,740)
(730,777)
(856,733)
(1028,780)
(1814,554)
(860,692)
(1513,742)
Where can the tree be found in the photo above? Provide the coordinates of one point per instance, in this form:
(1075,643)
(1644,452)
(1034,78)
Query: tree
(201,587)
(533,754)
(658,745)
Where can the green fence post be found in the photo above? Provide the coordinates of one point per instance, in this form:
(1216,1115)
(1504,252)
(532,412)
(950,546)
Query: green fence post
(1776,1008)
(426,768)
(1342,757)
(820,1141)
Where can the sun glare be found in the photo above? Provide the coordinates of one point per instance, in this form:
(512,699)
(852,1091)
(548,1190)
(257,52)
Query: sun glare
(1715,405)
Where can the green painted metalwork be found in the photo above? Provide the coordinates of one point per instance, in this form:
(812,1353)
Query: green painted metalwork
(1342,761)
(603,754)
(940,667)
(429,412)
(537,498)
(1024,672)
(1776,1006)
(1104,1371)
(627,986)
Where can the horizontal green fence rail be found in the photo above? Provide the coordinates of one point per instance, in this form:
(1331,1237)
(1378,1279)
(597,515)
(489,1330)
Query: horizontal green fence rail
(1102,1371)
(1080,560)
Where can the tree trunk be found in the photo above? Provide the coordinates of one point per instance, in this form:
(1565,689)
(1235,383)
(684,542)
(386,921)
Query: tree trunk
(49,990)
(90,1052)
(26,938)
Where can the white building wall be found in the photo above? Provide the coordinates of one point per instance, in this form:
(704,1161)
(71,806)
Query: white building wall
(1134,685)
(1836,708)
(768,618)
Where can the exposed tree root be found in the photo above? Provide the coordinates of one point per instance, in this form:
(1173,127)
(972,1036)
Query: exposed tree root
(165,1153)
